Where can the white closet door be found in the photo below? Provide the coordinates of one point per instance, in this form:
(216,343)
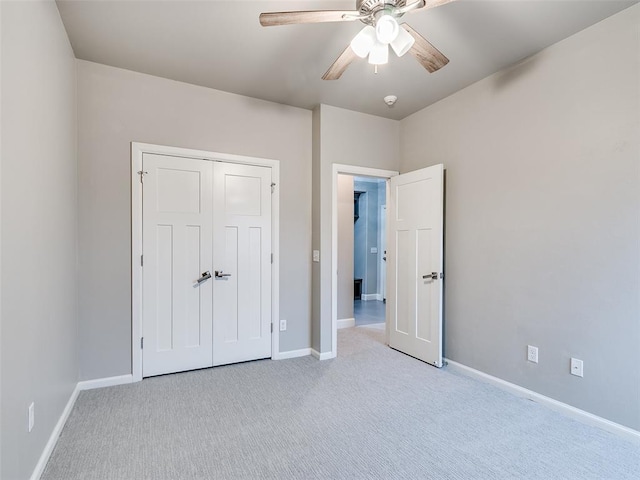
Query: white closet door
(177,239)
(415,258)
(242,260)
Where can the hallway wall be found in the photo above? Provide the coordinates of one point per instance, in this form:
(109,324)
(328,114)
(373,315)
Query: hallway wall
(345,247)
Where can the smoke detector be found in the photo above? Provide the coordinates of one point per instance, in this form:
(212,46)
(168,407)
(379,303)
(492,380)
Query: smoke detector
(390,100)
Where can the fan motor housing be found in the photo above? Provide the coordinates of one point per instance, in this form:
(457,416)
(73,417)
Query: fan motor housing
(373,8)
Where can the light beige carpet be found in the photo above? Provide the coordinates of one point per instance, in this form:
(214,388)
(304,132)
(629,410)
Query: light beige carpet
(371,413)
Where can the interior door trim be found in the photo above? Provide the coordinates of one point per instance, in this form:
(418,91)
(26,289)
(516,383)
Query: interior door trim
(137,177)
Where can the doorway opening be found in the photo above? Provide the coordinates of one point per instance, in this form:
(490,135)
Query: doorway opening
(358,247)
(369,254)
(413,310)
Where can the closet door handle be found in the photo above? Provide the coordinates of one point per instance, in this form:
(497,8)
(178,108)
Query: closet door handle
(433,276)
(205,276)
(219,274)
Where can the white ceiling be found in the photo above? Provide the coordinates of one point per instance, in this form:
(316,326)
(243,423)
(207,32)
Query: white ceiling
(220,44)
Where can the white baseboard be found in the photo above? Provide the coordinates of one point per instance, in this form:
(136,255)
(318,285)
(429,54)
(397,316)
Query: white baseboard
(371,296)
(105,382)
(322,356)
(346,323)
(573,412)
(303,352)
(53,438)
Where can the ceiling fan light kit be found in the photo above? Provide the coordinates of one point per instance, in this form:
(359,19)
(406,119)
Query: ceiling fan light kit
(403,42)
(381,30)
(386,29)
(379,54)
(373,41)
(363,42)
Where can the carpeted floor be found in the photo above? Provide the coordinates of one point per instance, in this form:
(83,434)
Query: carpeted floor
(370,413)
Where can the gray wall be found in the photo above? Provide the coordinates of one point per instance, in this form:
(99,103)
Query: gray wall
(542,218)
(345,246)
(340,141)
(116,107)
(316,306)
(39,223)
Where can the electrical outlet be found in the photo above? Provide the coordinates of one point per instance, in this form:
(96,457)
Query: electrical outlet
(283,325)
(32,416)
(576,367)
(532,353)
(316,255)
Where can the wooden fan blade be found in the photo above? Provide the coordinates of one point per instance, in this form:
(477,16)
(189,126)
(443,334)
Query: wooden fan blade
(340,65)
(428,55)
(318,16)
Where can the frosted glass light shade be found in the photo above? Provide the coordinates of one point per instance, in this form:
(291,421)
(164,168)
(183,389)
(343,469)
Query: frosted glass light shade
(379,54)
(387,29)
(403,42)
(363,41)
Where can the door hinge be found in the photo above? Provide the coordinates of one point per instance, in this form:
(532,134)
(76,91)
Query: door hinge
(141,343)
(272,328)
(272,258)
(142,174)
(273,187)
(142,260)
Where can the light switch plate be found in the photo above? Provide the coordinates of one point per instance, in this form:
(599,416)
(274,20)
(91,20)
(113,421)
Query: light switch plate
(32,416)
(577,367)
(532,353)
(316,255)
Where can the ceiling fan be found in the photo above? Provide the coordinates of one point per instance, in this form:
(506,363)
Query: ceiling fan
(381,30)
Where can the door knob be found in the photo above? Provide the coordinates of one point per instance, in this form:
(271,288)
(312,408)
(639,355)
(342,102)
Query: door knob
(433,276)
(205,276)
(219,274)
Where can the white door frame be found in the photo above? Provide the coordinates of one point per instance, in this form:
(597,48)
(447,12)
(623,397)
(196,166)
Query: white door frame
(137,151)
(339,169)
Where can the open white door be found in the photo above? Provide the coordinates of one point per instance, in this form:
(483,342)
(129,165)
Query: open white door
(414,262)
